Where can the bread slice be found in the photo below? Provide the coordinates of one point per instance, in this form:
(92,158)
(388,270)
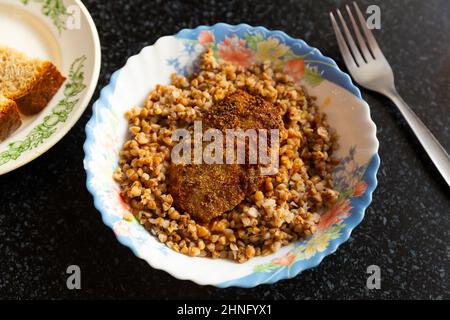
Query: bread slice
(31,83)
(9,117)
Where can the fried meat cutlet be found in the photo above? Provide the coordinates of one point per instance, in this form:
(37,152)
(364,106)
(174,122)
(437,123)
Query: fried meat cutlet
(241,110)
(208,190)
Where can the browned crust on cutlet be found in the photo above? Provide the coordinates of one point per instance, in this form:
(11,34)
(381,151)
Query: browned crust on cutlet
(44,88)
(207,191)
(9,119)
(241,110)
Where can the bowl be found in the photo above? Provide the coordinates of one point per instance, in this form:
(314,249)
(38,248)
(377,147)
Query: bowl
(354,176)
(64,33)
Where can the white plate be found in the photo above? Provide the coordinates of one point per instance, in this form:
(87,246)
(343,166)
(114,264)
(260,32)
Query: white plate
(63,32)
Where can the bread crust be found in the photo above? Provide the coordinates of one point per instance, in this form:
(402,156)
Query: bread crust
(9,118)
(47,83)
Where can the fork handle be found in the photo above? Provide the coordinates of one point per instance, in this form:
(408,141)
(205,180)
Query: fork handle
(431,145)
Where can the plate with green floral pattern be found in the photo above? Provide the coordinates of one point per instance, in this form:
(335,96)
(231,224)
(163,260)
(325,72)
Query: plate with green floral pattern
(61,31)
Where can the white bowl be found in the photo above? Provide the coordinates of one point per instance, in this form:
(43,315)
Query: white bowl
(355,177)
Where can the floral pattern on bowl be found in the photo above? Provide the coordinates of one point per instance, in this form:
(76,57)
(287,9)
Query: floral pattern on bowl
(355,176)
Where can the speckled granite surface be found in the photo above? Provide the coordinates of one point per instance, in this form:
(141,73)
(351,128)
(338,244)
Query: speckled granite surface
(48,221)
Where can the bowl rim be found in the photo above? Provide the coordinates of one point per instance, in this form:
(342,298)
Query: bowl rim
(345,82)
(76,114)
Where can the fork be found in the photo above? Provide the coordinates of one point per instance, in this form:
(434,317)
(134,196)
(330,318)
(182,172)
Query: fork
(370,69)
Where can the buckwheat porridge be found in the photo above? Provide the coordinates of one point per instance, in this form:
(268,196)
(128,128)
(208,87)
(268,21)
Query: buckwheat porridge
(228,210)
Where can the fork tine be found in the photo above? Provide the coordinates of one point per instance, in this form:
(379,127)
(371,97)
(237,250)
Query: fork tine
(353,48)
(348,59)
(361,42)
(374,47)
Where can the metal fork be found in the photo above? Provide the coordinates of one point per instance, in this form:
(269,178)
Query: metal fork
(368,66)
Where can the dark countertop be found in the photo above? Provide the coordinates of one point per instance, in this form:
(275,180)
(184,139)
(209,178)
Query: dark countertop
(48,221)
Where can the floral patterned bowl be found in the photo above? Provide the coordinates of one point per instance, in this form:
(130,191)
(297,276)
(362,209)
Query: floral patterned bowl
(355,176)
